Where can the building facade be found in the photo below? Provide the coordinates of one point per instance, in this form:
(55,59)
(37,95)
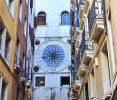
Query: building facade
(22,85)
(16,49)
(96,55)
(51,77)
(8,23)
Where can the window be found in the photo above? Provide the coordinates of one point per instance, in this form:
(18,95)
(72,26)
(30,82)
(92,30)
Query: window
(7,2)
(2,38)
(25,26)
(86,91)
(5,42)
(3,89)
(41,18)
(20,10)
(23,66)
(17,52)
(18,94)
(30,73)
(7,47)
(27,2)
(65,81)
(31,4)
(65,18)
(1,35)
(39,81)
(11,7)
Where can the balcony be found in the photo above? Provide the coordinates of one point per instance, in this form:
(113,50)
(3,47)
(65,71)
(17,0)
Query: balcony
(80,11)
(76,80)
(86,49)
(83,13)
(77,83)
(80,8)
(82,70)
(85,54)
(96,20)
(78,59)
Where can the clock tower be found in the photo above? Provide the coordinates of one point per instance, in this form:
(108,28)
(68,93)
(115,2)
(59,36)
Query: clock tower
(52,55)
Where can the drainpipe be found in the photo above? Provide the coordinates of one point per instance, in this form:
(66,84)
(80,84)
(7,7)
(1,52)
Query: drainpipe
(26,41)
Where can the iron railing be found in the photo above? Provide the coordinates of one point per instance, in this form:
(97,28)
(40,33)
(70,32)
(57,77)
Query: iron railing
(96,12)
(81,2)
(76,77)
(86,44)
(78,59)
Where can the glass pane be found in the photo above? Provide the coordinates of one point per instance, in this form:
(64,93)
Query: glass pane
(65,18)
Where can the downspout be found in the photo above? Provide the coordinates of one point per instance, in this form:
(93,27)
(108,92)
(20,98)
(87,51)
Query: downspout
(26,41)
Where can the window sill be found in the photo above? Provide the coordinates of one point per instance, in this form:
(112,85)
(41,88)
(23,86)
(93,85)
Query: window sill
(5,61)
(39,87)
(42,25)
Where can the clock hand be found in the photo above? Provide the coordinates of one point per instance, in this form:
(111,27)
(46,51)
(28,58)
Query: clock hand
(43,57)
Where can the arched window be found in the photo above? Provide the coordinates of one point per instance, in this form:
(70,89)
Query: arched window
(65,18)
(41,18)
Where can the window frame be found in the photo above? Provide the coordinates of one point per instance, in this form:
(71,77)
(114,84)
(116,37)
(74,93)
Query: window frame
(65,78)
(17,53)
(7,52)
(2,79)
(11,7)
(25,26)
(65,18)
(20,10)
(39,77)
(41,16)
(1,36)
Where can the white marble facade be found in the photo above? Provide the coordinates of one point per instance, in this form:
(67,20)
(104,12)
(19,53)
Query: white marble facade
(53,33)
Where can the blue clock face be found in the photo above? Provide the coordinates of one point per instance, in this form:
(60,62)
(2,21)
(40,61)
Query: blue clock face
(53,55)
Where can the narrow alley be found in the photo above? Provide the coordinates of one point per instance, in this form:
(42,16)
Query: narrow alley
(58,50)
